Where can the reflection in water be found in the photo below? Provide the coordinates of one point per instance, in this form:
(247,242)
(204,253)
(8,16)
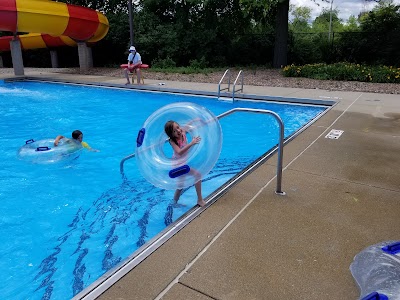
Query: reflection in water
(120,221)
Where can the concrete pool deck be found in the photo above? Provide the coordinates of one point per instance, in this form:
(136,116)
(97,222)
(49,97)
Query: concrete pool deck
(342,195)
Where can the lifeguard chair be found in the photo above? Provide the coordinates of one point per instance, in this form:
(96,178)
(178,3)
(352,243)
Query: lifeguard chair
(133,72)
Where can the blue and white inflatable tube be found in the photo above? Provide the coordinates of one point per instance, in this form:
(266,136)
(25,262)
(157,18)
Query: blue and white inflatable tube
(153,151)
(376,270)
(44,151)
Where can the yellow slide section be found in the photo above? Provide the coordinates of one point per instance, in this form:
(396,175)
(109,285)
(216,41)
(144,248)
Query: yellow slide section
(46,17)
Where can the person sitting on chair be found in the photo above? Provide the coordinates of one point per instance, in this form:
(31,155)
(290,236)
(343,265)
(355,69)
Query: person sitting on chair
(134,62)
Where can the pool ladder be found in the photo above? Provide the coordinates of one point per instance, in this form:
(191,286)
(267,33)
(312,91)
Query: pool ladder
(234,90)
(278,190)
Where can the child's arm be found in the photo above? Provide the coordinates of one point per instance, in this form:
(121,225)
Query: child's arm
(58,138)
(86,146)
(183,150)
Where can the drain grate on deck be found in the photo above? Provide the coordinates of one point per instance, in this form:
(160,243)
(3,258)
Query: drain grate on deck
(334,134)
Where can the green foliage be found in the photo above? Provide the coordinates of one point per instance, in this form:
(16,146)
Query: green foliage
(116,41)
(372,39)
(198,64)
(259,12)
(301,15)
(301,49)
(251,49)
(217,33)
(382,44)
(166,63)
(184,70)
(103,6)
(321,23)
(352,24)
(345,71)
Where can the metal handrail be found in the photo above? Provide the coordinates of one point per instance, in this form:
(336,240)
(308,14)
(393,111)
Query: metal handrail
(121,164)
(280,144)
(234,85)
(220,82)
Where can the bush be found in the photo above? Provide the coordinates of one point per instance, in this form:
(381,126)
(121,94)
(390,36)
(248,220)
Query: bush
(163,63)
(345,71)
(198,64)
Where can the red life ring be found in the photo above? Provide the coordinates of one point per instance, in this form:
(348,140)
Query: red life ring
(142,66)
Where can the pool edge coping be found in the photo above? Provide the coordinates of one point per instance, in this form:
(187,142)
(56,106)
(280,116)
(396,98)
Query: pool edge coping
(238,96)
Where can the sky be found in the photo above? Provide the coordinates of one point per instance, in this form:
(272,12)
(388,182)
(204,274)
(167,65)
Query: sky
(346,7)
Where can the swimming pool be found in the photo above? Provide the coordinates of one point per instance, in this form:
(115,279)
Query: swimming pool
(63,225)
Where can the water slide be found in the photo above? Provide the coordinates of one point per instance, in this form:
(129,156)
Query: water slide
(50,24)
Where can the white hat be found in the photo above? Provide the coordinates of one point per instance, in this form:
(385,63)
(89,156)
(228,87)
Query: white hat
(132,48)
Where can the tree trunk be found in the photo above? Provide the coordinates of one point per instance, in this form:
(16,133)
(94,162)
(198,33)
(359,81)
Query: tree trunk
(281,34)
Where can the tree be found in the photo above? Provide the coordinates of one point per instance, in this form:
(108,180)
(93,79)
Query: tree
(259,13)
(301,15)
(352,24)
(281,34)
(321,22)
(381,42)
(301,47)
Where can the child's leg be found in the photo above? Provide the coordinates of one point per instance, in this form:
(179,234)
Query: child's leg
(200,200)
(197,185)
(177,195)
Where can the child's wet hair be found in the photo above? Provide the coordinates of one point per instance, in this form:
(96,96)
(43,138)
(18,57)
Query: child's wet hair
(169,130)
(76,134)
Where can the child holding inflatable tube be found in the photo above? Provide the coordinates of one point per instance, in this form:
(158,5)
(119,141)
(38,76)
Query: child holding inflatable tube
(180,145)
(77,137)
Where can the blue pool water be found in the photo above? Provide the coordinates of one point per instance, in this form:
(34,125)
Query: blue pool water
(65,224)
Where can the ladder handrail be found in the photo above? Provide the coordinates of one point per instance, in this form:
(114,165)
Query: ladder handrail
(227,71)
(234,85)
(280,144)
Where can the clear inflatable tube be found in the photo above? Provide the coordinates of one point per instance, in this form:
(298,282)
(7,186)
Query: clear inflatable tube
(376,270)
(44,151)
(158,166)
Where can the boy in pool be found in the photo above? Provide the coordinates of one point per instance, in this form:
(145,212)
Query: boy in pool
(178,142)
(77,136)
